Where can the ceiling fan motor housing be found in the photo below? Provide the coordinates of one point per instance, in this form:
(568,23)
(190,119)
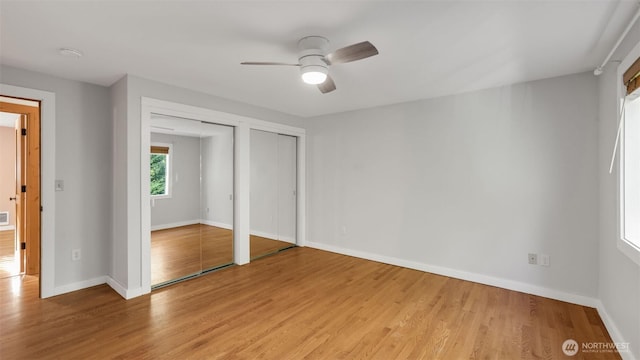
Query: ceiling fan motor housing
(313,50)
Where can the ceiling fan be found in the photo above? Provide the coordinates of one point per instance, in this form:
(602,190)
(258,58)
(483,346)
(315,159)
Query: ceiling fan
(314,61)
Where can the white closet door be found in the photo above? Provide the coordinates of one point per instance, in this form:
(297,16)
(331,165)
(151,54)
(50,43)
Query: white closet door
(264,184)
(287,187)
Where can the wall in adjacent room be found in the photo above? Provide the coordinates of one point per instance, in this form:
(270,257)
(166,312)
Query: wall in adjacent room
(7,172)
(184,203)
(217,178)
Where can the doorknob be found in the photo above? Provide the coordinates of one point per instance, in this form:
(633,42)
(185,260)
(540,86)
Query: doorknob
(13,198)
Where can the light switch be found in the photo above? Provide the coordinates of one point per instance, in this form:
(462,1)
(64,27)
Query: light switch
(59,185)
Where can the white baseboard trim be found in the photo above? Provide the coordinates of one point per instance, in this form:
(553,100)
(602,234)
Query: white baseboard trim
(273,236)
(463,275)
(191,222)
(59,290)
(117,287)
(263,234)
(174,225)
(122,291)
(216,224)
(7,227)
(615,334)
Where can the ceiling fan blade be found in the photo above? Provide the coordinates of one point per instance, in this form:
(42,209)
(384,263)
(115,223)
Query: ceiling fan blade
(267,63)
(353,52)
(327,86)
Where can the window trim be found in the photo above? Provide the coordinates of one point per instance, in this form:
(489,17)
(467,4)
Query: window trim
(168,171)
(625,246)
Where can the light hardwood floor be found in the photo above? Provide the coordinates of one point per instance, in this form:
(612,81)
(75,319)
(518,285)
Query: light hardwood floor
(300,303)
(261,246)
(176,252)
(9,262)
(186,250)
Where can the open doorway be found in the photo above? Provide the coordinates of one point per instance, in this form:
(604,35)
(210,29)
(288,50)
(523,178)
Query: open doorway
(9,245)
(19,187)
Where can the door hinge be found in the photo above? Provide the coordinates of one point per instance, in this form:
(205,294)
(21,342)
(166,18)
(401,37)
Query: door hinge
(41,209)
(24,132)
(23,246)
(24,188)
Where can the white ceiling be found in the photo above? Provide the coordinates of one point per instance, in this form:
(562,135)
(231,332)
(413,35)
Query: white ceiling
(427,48)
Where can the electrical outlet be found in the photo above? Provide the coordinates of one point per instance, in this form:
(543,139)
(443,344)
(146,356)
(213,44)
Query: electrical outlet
(545,260)
(533,259)
(59,185)
(75,254)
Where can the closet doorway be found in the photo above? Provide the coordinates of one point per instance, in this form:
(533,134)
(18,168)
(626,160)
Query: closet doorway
(273,188)
(191,195)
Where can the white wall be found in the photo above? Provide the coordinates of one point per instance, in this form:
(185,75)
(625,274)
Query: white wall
(120,210)
(83,160)
(619,276)
(217,177)
(467,184)
(184,204)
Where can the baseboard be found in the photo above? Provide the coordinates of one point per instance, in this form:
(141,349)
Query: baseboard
(174,225)
(463,275)
(59,290)
(273,236)
(615,334)
(216,224)
(191,222)
(122,291)
(7,227)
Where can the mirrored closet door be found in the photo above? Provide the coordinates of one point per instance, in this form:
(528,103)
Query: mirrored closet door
(273,186)
(191,184)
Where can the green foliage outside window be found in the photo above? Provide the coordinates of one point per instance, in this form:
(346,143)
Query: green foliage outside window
(158,174)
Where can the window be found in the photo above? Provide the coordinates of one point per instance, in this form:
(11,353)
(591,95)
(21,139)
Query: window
(630,172)
(160,171)
(630,158)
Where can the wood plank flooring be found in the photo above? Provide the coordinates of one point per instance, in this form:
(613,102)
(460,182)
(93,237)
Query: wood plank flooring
(300,303)
(186,250)
(176,252)
(9,261)
(261,246)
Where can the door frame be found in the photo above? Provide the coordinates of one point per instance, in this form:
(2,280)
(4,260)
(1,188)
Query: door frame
(241,206)
(47,174)
(28,152)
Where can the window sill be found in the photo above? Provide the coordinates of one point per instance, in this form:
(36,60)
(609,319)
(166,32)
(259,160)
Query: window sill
(158,197)
(630,250)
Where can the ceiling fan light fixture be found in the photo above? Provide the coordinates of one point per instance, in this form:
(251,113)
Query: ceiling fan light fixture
(314,74)
(314,61)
